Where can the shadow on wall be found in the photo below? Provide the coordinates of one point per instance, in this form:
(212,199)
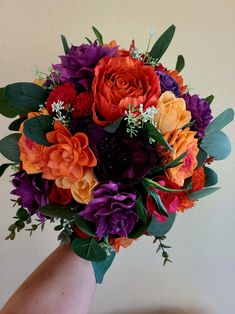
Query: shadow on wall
(166,311)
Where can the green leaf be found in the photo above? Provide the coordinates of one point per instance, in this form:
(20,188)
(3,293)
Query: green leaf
(15,125)
(180,63)
(65,44)
(84,225)
(100,268)
(151,183)
(57,211)
(211,177)
(9,147)
(3,167)
(25,97)
(174,163)
(64,237)
(22,214)
(98,35)
(141,210)
(209,99)
(221,121)
(6,109)
(162,43)
(156,135)
(88,40)
(159,229)
(201,193)
(112,128)
(201,157)
(89,249)
(37,127)
(217,145)
(58,227)
(139,229)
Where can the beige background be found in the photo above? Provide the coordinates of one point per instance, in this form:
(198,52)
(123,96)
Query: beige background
(202,277)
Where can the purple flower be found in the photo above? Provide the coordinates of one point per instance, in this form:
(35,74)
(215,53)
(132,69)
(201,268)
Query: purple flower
(121,158)
(112,210)
(201,112)
(78,65)
(32,191)
(168,84)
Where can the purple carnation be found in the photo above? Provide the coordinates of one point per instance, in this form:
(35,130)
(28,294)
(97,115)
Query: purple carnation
(78,65)
(121,158)
(201,112)
(112,210)
(168,83)
(32,191)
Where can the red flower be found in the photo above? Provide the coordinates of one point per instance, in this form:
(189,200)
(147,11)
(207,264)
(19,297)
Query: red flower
(60,196)
(65,92)
(83,104)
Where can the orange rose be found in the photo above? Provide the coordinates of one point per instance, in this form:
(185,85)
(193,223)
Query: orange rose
(120,82)
(171,114)
(80,189)
(182,141)
(117,242)
(68,155)
(31,155)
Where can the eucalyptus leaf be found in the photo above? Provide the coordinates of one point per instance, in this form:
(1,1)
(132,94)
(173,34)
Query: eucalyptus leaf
(221,121)
(84,225)
(6,109)
(88,249)
(159,229)
(201,157)
(141,210)
(3,168)
(65,44)
(216,144)
(100,268)
(180,63)
(162,43)
(57,211)
(209,99)
(25,97)
(98,35)
(154,134)
(9,147)
(37,127)
(22,214)
(139,229)
(15,125)
(211,177)
(201,193)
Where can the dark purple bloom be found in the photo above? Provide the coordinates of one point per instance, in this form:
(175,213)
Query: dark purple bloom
(168,83)
(201,112)
(112,210)
(78,65)
(32,191)
(121,158)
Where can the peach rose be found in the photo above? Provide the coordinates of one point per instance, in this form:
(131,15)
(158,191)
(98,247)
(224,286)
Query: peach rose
(182,141)
(171,114)
(119,82)
(68,154)
(31,155)
(80,189)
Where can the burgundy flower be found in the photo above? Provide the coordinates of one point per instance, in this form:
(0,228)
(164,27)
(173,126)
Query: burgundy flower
(201,112)
(78,65)
(112,210)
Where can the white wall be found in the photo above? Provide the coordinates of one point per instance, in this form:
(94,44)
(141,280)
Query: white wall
(202,277)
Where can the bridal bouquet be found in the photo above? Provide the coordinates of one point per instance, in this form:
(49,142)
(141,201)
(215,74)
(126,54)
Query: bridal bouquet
(109,145)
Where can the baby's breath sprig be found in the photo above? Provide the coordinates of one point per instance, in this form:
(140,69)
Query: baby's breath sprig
(136,117)
(61,112)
